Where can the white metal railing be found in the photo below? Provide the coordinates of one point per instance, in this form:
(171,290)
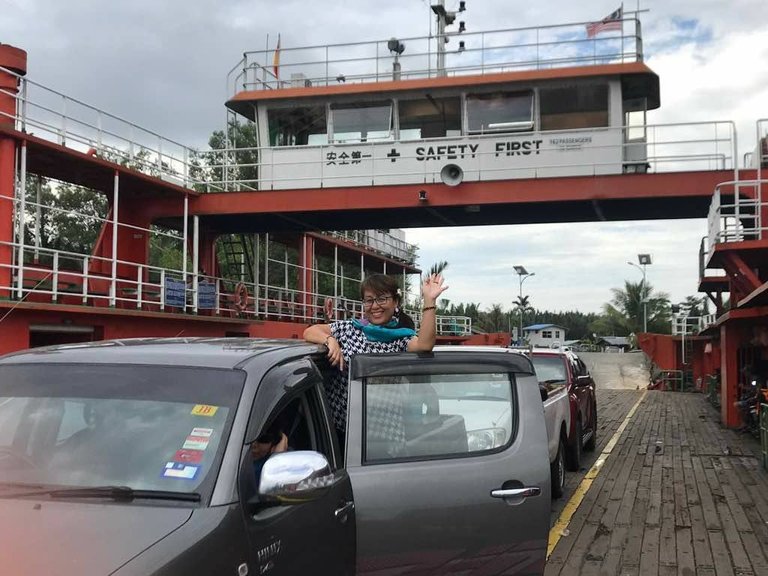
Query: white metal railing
(48,275)
(675,147)
(736,214)
(379,241)
(53,116)
(488,52)
(691,325)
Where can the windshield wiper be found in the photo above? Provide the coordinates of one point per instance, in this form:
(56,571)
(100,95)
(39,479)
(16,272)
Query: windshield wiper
(553,381)
(118,493)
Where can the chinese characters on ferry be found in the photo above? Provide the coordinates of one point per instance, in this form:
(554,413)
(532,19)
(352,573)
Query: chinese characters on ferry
(442,152)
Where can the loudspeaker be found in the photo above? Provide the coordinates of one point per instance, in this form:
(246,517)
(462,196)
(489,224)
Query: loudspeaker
(451,175)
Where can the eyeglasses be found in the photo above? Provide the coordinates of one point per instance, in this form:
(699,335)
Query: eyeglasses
(379,300)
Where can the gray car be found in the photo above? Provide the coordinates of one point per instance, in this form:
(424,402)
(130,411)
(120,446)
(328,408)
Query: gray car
(142,457)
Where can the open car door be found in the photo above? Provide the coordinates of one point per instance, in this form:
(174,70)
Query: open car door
(447,453)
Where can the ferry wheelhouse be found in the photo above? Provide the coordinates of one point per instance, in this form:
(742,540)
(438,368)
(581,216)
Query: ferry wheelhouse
(508,104)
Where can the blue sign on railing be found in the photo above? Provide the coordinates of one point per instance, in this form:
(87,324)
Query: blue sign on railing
(175,293)
(206,295)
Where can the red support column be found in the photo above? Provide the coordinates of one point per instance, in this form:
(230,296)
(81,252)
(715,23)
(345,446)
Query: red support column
(13,59)
(306,282)
(7,164)
(730,340)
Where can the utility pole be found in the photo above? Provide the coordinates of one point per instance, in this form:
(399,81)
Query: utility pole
(522,274)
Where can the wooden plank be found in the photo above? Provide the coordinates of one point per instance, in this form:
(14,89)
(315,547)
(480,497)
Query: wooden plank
(649,559)
(667,556)
(686,564)
(711,518)
(720,554)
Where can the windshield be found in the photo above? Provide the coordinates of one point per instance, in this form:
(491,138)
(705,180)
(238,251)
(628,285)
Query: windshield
(549,369)
(144,427)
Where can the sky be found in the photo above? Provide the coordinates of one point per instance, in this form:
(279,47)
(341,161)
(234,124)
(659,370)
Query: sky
(164,66)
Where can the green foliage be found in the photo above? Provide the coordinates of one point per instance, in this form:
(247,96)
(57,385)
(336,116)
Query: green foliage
(623,315)
(232,160)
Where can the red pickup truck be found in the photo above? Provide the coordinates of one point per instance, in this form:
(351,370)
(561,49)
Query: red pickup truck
(555,366)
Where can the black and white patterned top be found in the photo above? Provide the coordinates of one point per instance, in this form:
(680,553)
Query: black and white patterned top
(353,341)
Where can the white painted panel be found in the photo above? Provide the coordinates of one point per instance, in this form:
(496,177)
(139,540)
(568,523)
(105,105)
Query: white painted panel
(482,158)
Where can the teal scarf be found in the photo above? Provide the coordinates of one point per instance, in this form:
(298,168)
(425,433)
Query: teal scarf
(386,333)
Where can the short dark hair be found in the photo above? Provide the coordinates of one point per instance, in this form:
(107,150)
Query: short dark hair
(380,284)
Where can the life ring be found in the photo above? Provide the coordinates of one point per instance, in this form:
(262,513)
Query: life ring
(240,297)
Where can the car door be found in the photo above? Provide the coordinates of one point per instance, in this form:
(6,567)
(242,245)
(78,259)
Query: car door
(449,465)
(312,537)
(582,389)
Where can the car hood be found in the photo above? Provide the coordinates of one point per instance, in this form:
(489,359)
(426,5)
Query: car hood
(76,538)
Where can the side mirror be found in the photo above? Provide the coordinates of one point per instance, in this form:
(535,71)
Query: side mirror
(292,477)
(544,392)
(583,380)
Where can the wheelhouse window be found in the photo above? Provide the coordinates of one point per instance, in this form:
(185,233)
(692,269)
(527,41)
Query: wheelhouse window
(362,122)
(298,126)
(500,112)
(438,415)
(572,107)
(429,118)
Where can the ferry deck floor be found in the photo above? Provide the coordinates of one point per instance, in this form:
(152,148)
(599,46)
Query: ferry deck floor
(676,494)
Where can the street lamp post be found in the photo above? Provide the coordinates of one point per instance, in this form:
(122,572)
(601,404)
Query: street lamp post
(645,260)
(522,274)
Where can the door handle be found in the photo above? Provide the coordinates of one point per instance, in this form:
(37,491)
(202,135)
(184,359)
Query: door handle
(341,513)
(525,492)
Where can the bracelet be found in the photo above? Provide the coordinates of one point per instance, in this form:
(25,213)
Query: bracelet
(428,308)
(326,340)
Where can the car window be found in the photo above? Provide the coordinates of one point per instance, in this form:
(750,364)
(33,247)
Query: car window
(550,370)
(145,427)
(437,415)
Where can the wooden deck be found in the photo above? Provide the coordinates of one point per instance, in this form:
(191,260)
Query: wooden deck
(678,494)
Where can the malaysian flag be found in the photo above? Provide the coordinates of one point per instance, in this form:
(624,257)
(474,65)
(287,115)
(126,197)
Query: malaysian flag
(610,22)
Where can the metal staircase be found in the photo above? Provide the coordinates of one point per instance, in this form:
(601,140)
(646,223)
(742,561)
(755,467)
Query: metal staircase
(236,257)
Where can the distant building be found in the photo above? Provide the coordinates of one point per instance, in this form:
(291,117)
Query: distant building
(544,335)
(614,343)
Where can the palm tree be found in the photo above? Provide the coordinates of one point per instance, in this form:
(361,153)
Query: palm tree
(625,310)
(522,305)
(438,267)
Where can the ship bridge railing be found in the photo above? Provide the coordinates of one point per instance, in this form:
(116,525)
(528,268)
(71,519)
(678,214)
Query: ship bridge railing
(466,53)
(50,276)
(738,212)
(691,325)
(55,117)
(70,122)
(379,241)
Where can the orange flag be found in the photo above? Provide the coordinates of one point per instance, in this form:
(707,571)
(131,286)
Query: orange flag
(276,59)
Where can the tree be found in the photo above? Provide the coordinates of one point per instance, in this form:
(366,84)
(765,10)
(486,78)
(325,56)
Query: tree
(623,315)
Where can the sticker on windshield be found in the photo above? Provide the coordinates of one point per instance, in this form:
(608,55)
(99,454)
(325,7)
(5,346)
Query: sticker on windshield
(190,456)
(204,410)
(205,432)
(196,443)
(179,470)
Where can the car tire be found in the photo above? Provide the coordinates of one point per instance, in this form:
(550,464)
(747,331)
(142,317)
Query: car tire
(592,442)
(573,456)
(557,471)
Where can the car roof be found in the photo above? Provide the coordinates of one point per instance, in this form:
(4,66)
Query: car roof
(447,348)
(191,352)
